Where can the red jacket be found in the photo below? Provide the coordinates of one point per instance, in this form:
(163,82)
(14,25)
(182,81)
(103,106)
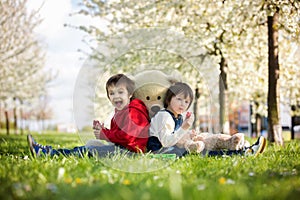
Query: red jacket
(129,127)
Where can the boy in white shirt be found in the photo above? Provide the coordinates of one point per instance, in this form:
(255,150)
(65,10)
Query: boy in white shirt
(168,126)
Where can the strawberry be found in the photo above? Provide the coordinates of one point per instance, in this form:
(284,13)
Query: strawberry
(188,114)
(96,125)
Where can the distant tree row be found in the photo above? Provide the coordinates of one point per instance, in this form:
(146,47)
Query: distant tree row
(23,77)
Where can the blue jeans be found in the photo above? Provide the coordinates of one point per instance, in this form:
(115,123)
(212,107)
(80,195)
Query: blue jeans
(90,151)
(222,152)
(179,152)
(106,150)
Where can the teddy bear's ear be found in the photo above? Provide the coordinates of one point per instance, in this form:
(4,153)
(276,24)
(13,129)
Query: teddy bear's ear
(175,77)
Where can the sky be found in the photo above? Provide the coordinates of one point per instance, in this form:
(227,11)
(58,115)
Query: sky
(62,56)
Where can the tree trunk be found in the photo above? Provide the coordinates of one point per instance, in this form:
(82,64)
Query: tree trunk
(7,122)
(15,120)
(0,116)
(222,94)
(258,124)
(21,121)
(196,113)
(15,116)
(274,127)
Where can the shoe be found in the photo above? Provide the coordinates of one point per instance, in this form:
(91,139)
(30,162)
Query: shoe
(36,149)
(258,147)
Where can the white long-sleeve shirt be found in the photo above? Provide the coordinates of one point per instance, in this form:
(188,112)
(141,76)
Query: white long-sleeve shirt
(162,127)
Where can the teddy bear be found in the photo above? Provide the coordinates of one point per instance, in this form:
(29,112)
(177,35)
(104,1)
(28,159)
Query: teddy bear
(151,87)
(197,142)
(222,141)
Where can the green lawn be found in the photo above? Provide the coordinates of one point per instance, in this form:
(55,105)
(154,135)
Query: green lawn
(272,175)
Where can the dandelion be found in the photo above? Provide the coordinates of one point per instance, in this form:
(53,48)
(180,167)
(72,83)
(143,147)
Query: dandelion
(78,181)
(222,180)
(126,182)
(68,180)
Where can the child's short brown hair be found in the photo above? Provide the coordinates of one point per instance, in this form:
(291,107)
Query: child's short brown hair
(120,79)
(176,89)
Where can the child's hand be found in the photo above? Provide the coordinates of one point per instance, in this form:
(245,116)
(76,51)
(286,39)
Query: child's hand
(193,134)
(97,126)
(188,122)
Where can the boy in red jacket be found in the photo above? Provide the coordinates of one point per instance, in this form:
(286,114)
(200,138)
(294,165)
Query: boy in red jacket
(129,125)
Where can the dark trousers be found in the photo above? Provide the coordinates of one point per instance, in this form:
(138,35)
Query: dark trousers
(222,152)
(106,150)
(180,152)
(90,151)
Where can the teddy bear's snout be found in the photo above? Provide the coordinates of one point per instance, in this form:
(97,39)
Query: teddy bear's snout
(155,108)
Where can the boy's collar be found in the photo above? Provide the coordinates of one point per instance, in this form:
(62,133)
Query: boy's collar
(178,117)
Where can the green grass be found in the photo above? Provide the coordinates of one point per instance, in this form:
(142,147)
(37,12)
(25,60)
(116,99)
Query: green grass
(272,175)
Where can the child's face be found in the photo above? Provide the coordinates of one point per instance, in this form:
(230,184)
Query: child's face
(179,104)
(118,96)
